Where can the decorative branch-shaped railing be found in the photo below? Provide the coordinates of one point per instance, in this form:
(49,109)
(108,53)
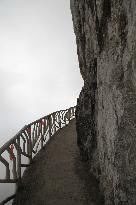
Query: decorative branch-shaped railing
(29,140)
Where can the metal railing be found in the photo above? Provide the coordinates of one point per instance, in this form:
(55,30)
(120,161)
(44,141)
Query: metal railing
(28,141)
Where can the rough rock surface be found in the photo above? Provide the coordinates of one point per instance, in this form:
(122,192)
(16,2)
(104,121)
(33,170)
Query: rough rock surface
(106,109)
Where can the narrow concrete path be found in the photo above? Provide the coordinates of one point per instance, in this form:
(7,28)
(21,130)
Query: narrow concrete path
(57,176)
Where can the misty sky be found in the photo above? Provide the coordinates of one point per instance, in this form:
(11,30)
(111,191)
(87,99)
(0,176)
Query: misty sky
(39,70)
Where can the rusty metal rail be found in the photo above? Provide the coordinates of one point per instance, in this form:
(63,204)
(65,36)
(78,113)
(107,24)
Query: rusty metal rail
(28,141)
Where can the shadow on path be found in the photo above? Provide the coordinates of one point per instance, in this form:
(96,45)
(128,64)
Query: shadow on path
(57,176)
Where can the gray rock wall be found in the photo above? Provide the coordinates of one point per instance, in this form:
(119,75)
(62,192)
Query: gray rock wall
(106,109)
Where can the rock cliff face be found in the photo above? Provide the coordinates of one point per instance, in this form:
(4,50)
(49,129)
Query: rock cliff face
(106,109)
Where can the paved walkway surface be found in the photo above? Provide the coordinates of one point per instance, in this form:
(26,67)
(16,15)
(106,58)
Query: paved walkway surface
(57,176)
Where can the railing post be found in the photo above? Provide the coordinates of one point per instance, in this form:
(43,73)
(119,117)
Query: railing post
(30,148)
(18,162)
(69,114)
(65,119)
(50,125)
(14,170)
(29,144)
(54,119)
(41,131)
(60,120)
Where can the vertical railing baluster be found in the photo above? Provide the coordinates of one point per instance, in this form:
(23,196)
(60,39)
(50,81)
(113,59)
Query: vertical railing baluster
(50,125)
(42,136)
(14,163)
(45,126)
(68,115)
(30,144)
(28,147)
(19,161)
(33,133)
(59,118)
(54,122)
(27,133)
(24,142)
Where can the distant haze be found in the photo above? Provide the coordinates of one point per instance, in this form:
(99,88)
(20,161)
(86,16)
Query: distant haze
(39,71)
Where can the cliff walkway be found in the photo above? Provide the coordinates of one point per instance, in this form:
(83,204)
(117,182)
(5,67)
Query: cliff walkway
(56,174)
(53,176)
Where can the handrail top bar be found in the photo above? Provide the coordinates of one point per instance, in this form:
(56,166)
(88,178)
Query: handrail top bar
(46,116)
(12,140)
